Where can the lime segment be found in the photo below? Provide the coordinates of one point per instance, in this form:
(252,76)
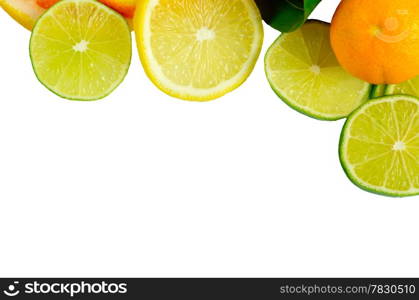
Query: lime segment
(198,50)
(303,70)
(379,147)
(81,49)
(378,91)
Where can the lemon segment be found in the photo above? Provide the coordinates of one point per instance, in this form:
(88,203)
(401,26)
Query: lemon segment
(198,50)
(81,49)
(379,147)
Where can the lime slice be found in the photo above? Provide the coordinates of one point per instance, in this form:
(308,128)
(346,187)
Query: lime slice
(379,147)
(198,50)
(304,72)
(410,87)
(378,91)
(81,49)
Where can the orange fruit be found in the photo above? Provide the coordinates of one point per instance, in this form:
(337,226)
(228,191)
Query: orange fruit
(124,7)
(377,41)
(25,12)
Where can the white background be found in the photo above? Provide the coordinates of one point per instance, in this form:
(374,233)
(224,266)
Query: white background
(141,184)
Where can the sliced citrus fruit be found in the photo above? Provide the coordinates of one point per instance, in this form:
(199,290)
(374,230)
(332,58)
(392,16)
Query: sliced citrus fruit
(46,3)
(81,49)
(198,50)
(377,41)
(305,74)
(25,12)
(410,87)
(124,7)
(286,16)
(379,147)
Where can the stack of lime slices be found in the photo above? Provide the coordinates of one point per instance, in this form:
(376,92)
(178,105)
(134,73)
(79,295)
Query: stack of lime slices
(410,87)
(303,70)
(378,91)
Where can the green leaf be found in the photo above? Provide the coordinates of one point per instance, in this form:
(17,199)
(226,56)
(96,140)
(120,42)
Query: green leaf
(286,15)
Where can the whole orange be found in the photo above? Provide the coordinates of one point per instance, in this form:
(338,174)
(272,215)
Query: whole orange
(377,40)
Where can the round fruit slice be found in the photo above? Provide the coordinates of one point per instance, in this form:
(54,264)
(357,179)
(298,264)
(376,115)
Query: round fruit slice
(198,50)
(81,49)
(410,87)
(305,74)
(25,12)
(379,147)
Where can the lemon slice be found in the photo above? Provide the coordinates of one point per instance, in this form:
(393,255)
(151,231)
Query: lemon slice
(25,12)
(198,50)
(410,87)
(81,49)
(379,147)
(304,72)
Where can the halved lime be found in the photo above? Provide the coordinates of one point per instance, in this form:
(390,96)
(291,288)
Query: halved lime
(378,91)
(304,72)
(410,87)
(379,146)
(81,49)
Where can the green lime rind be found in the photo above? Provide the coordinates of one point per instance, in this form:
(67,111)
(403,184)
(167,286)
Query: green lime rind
(299,108)
(342,143)
(286,16)
(378,91)
(71,97)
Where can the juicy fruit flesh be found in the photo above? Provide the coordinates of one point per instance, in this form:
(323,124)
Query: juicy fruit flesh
(25,12)
(381,145)
(410,87)
(302,68)
(125,7)
(80,49)
(196,48)
(203,41)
